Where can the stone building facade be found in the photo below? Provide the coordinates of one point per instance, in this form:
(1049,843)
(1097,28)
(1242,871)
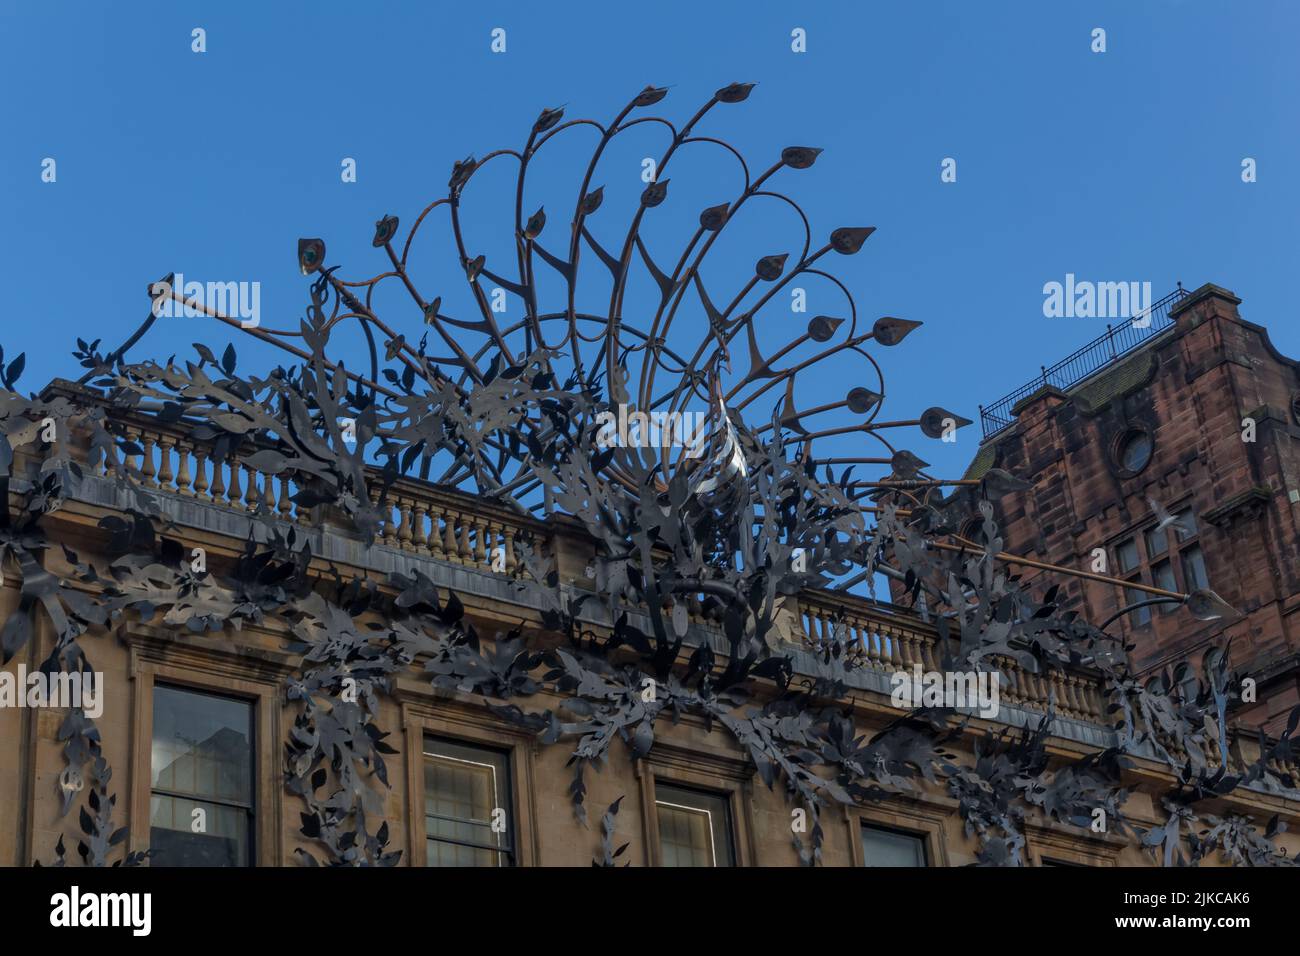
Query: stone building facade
(1203,417)
(194,724)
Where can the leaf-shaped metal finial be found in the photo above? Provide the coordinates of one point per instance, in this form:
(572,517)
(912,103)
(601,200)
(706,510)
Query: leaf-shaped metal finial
(734,92)
(906,465)
(650,96)
(890,331)
(800,157)
(714,217)
(385,229)
(592,200)
(769,268)
(431,310)
(849,239)
(655,193)
(999,482)
(311,254)
(935,420)
(548,119)
(536,223)
(862,400)
(821,328)
(460,173)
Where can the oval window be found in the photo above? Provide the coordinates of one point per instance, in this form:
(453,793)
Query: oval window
(1134,451)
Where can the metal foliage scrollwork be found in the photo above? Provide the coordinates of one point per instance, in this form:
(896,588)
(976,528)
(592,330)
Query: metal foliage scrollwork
(724,525)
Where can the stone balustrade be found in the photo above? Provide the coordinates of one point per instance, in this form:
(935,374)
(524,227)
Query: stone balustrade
(888,644)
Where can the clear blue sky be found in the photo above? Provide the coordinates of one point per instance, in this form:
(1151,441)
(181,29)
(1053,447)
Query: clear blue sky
(1114,166)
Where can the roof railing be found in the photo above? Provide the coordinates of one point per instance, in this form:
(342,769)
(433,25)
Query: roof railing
(1074,368)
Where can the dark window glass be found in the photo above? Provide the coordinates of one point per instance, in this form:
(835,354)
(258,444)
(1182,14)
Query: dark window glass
(694,827)
(1157,543)
(1194,568)
(1135,451)
(884,847)
(467,813)
(1142,616)
(1188,520)
(201,779)
(1162,576)
(1126,552)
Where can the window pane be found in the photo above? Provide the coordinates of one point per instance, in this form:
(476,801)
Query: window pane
(1157,543)
(882,847)
(223,840)
(1162,576)
(467,814)
(1142,615)
(1127,554)
(1194,568)
(1186,518)
(1136,451)
(694,827)
(202,759)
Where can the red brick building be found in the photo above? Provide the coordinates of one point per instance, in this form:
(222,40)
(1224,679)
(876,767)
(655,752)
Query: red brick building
(1201,413)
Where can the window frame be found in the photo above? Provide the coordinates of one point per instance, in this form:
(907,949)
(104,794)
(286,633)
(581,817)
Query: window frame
(502,790)
(725,776)
(918,836)
(1129,434)
(1144,570)
(728,821)
(208,665)
(1142,616)
(1192,545)
(469,727)
(249,809)
(905,815)
(1071,849)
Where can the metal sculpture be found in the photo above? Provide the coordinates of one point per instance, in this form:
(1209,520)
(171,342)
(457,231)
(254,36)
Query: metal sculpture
(730,525)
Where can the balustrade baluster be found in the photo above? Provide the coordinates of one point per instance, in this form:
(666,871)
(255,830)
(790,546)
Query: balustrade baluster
(286,499)
(165,475)
(252,494)
(218,489)
(201,473)
(449,538)
(183,480)
(404,530)
(419,536)
(147,469)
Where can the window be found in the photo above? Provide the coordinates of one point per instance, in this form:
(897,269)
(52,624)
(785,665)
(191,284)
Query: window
(1133,450)
(1142,616)
(694,827)
(201,779)
(1193,568)
(884,847)
(1157,543)
(1162,576)
(1126,552)
(467,814)
(1174,559)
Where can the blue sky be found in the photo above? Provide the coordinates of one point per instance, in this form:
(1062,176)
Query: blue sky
(1115,166)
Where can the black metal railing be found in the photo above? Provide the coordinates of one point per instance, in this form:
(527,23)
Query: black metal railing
(1074,368)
